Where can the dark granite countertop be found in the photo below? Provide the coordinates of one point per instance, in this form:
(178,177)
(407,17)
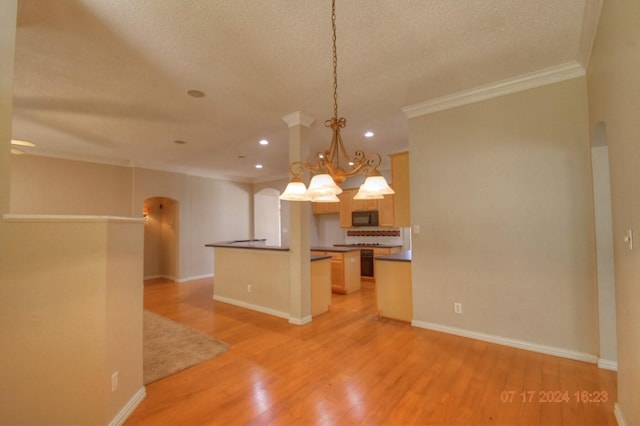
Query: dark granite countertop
(336,248)
(403,256)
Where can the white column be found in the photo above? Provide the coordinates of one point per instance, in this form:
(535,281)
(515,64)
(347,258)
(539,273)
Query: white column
(8,18)
(299,223)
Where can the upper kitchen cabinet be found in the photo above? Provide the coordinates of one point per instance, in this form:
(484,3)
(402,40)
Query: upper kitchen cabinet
(386,211)
(325,208)
(346,207)
(400,184)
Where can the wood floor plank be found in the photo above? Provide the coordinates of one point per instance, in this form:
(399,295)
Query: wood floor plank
(349,367)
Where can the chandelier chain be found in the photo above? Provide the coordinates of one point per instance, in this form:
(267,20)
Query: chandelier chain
(335,60)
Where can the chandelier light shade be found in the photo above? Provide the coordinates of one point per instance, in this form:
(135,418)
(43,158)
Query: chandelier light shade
(326,166)
(376,185)
(295,191)
(364,194)
(323,184)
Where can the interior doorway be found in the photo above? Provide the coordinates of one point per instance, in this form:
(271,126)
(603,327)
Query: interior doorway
(604,248)
(161,237)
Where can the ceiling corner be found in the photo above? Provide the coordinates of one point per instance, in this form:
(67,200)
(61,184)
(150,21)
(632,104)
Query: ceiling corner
(592,11)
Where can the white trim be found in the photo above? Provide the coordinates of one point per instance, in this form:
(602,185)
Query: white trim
(300,321)
(607,364)
(195,277)
(251,306)
(298,119)
(129,407)
(619,417)
(527,81)
(153,277)
(9,217)
(592,12)
(520,344)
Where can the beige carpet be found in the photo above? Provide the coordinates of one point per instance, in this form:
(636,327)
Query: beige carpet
(170,347)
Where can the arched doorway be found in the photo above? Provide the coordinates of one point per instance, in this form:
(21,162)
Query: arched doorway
(160,238)
(266,216)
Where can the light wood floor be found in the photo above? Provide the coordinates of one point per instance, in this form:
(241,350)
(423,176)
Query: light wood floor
(348,367)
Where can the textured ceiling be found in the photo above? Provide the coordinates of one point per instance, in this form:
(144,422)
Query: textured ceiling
(106,80)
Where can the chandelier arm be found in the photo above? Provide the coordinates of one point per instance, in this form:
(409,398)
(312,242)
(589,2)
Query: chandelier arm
(296,169)
(340,146)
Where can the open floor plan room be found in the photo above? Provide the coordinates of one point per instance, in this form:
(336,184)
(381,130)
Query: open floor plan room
(350,367)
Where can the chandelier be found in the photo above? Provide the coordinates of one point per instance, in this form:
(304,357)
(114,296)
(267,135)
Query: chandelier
(326,166)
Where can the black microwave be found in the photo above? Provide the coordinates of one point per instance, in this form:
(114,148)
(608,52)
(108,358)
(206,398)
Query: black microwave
(369,218)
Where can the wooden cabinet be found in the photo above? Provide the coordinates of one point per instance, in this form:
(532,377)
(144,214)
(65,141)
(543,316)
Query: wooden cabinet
(345,270)
(393,290)
(325,208)
(381,251)
(346,207)
(400,184)
(320,286)
(386,213)
(363,205)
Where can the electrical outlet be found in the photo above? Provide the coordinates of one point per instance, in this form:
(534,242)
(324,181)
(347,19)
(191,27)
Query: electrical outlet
(457,308)
(114,382)
(248,288)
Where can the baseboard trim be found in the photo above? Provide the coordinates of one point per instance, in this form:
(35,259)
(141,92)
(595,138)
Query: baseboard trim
(520,344)
(130,406)
(619,417)
(300,321)
(195,277)
(154,277)
(607,364)
(251,306)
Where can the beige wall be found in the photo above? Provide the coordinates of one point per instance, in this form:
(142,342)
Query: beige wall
(239,268)
(614,99)
(71,316)
(208,210)
(42,185)
(501,190)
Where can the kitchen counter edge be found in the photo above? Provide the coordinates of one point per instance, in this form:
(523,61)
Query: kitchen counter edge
(403,256)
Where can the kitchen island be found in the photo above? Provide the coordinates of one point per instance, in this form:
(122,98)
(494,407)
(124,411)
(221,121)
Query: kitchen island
(345,267)
(253,275)
(394,286)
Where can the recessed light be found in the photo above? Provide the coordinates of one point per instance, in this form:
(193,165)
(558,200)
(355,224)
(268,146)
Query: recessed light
(369,134)
(179,142)
(258,166)
(195,93)
(264,142)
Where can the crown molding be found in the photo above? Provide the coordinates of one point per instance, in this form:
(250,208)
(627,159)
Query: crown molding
(592,11)
(524,82)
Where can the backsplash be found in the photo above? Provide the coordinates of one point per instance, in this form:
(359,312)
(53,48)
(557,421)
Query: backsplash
(374,233)
(374,236)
